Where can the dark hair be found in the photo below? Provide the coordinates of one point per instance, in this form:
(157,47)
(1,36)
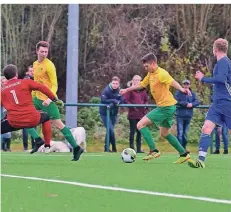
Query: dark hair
(10,71)
(43,44)
(115,78)
(149,58)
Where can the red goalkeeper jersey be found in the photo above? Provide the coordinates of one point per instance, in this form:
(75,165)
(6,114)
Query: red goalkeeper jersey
(17,100)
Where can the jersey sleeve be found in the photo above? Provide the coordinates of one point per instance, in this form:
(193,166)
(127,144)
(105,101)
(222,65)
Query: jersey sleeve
(32,85)
(145,82)
(51,71)
(165,78)
(221,77)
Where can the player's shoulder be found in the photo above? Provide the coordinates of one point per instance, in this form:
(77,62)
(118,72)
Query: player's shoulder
(25,81)
(162,72)
(49,62)
(224,60)
(35,63)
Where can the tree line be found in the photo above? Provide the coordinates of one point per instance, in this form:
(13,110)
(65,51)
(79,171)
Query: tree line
(113,38)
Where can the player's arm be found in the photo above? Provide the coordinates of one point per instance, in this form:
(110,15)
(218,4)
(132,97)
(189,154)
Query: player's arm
(165,78)
(143,84)
(176,85)
(220,78)
(32,85)
(51,71)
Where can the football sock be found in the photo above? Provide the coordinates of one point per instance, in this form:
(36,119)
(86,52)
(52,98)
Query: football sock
(46,129)
(204,143)
(33,133)
(175,143)
(67,134)
(148,138)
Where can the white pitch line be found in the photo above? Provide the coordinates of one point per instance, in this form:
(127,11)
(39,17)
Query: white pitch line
(179,196)
(49,155)
(68,155)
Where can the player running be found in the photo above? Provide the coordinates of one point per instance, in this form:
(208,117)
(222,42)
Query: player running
(220,111)
(17,100)
(45,73)
(160,81)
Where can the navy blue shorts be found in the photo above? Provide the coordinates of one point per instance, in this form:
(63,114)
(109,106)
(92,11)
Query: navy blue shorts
(220,113)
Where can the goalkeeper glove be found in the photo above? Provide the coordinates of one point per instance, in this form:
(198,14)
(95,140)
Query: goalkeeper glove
(58,102)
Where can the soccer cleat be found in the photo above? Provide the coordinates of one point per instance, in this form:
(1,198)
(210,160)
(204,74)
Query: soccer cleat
(196,163)
(36,146)
(152,155)
(77,151)
(183,158)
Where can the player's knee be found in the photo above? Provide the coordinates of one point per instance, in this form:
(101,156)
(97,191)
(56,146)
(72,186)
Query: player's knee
(140,125)
(58,123)
(164,134)
(206,129)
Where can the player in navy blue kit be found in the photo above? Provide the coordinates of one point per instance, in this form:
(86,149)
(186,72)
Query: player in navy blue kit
(220,111)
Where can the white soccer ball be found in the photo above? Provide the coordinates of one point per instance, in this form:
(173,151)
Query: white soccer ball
(128,155)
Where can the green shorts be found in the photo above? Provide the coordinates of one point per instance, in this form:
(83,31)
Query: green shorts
(51,109)
(162,116)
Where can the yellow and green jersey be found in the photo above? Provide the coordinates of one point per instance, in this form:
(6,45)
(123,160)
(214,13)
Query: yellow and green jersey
(160,82)
(45,73)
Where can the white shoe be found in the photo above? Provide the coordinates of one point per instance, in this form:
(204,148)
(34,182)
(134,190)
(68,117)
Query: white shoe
(47,150)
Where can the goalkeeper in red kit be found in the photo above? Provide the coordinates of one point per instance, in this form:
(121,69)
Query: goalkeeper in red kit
(17,100)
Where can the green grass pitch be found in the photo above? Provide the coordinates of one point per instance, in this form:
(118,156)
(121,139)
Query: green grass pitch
(107,169)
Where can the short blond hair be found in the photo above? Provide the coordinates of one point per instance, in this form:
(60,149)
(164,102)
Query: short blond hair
(136,77)
(221,45)
(129,83)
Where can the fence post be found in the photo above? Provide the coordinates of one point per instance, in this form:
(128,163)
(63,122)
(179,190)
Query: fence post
(107,128)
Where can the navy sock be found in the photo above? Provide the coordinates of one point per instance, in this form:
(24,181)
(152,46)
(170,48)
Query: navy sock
(204,143)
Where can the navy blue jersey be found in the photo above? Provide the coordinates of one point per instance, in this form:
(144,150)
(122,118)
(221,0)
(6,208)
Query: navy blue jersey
(221,80)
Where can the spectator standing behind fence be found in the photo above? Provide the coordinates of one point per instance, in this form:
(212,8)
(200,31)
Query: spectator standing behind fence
(111,96)
(136,114)
(221,132)
(29,75)
(184,112)
(6,137)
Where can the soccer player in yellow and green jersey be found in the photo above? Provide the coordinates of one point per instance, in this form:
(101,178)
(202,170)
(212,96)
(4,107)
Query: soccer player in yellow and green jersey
(45,73)
(162,116)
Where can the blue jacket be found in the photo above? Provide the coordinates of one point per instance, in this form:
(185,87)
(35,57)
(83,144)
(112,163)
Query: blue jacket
(182,101)
(111,97)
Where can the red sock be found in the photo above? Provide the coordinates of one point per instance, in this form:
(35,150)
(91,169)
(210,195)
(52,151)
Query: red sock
(46,129)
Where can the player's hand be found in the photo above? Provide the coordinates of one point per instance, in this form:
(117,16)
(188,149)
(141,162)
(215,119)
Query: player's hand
(199,75)
(123,91)
(186,91)
(189,105)
(47,102)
